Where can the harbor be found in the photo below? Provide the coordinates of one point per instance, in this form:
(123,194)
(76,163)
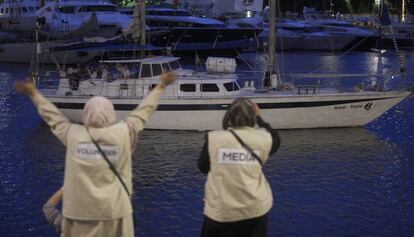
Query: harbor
(351,181)
(344,115)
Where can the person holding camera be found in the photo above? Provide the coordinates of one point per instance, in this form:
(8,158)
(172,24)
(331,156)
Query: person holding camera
(237,195)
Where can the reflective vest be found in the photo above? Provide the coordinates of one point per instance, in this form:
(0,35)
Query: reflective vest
(236,188)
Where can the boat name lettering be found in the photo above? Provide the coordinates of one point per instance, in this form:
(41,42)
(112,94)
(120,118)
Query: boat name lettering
(355,106)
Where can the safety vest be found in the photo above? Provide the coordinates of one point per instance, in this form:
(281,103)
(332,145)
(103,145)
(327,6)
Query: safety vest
(92,191)
(236,188)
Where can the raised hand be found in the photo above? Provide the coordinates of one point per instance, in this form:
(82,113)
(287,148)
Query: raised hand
(168,78)
(25,87)
(256,110)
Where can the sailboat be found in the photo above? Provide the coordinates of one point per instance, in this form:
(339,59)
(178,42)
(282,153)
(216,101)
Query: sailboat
(198,100)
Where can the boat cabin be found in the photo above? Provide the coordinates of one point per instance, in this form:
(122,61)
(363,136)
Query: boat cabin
(136,77)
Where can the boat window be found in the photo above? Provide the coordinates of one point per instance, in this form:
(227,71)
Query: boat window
(19,10)
(146,70)
(181,24)
(24,9)
(188,87)
(31,9)
(182,13)
(11,10)
(67,9)
(7,10)
(337,30)
(156,69)
(165,67)
(231,86)
(100,8)
(127,12)
(175,65)
(1,10)
(209,87)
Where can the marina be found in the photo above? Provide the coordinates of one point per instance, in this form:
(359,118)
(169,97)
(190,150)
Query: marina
(353,180)
(339,95)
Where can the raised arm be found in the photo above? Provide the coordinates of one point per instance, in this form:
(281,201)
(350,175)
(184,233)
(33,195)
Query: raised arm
(136,119)
(48,111)
(274,133)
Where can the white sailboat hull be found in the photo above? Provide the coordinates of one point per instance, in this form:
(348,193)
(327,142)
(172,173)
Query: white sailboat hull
(282,112)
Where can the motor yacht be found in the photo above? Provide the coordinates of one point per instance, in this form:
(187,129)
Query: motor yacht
(18,15)
(285,40)
(365,38)
(68,15)
(189,34)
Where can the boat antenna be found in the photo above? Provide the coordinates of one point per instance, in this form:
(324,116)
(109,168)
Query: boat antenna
(386,21)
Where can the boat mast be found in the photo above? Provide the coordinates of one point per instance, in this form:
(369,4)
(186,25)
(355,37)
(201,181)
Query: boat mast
(141,4)
(403,13)
(272,43)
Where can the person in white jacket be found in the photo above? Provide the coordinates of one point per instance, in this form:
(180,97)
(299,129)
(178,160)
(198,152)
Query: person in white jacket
(95,203)
(237,195)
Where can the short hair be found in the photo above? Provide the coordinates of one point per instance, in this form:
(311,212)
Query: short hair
(239,114)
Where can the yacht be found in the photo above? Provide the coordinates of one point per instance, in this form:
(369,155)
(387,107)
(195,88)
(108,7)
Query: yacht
(198,100)
(313,37)
(69,15)
(402,32)
(365,38)
(189,34)
(18,15)
(285,39)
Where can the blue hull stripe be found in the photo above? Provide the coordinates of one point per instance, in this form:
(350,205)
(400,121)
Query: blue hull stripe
(198,107)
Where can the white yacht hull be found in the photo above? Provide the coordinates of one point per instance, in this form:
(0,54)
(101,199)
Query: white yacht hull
(324,42)
(284,41)
(281,111)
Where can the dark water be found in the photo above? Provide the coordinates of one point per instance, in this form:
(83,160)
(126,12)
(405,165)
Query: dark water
(326,182)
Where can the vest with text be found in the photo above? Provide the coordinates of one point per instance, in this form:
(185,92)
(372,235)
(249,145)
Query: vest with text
(236,188)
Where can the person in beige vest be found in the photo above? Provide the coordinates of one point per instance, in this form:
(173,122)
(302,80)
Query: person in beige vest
(237,195)
(94,202)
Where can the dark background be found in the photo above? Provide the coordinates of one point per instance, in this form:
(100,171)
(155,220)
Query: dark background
(358,6)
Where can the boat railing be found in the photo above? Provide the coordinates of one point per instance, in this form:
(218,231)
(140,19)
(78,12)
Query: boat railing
(290,83)
(341,82)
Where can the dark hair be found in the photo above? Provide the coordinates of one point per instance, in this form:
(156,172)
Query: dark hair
(240,113)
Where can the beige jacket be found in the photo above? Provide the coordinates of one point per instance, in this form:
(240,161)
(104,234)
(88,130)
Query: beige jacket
(92,191)
(236,187)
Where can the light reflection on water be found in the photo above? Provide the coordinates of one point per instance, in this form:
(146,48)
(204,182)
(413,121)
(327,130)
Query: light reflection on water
(346,182)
